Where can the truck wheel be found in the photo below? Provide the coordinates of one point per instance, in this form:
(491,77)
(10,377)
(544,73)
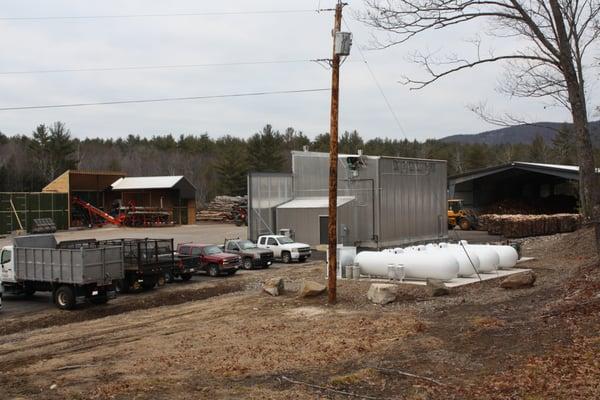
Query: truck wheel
(213,270)
(286,257)
(65,298)
(465,225)
(186,277)
(161,280)
(247,263)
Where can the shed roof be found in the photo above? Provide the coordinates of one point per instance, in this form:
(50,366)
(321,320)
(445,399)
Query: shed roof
(156,182)
(562,171)
(315,202)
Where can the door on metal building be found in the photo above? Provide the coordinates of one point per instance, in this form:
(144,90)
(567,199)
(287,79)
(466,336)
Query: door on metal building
(323,229)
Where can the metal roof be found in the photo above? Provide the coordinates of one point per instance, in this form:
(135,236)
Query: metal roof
(563,171)
(179,182)
(146,182)
(315,202)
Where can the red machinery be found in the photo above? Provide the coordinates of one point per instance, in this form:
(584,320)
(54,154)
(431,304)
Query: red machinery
(128,216)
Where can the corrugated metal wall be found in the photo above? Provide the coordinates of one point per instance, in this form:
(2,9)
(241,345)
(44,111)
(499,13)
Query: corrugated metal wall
(398,200)
(413,201)
(305,223)
(265,192)
(311,179)
(31,206)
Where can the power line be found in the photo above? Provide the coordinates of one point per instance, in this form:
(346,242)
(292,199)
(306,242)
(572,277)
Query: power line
(381,91)
(219,96)
(149,67)
(160,15)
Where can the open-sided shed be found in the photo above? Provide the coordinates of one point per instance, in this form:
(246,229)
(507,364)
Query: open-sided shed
(546,187)
(106,189)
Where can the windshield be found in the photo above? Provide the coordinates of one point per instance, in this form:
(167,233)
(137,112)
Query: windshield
(247,245)
(285,240)
(208,250)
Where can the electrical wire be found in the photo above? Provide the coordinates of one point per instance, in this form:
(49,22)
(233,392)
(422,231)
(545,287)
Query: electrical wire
(381,91)
(160,15)
(219,96)
(149,67)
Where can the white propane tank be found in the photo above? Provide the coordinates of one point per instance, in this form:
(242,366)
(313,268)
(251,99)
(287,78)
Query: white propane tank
(488,257)
(507,255)
(417,265)
(467,264)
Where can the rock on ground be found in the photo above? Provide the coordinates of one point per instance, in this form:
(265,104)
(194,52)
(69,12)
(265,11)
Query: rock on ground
(382,293)
(274,286)
(518,281)
(311,289)
(437,287)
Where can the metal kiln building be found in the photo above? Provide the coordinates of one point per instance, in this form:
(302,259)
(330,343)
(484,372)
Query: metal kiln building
(382,201)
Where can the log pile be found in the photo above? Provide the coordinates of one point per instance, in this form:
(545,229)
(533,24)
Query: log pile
(222,208)
(518,226)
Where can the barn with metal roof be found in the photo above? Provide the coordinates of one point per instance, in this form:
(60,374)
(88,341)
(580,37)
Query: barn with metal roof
(543,188)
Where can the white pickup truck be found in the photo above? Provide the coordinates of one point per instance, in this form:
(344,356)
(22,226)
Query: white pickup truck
(284,248)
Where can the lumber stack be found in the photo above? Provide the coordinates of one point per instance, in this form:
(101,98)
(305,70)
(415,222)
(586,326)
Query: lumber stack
(222,208)
(519,225)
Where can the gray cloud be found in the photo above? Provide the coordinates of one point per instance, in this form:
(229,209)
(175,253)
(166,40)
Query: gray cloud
(433,112)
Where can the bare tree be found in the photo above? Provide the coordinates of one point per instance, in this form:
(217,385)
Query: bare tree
(552,39)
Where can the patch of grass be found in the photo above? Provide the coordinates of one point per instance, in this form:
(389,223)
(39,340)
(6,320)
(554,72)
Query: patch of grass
(362,376)
(487,322)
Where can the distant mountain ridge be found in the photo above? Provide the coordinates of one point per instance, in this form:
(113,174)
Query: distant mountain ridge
(524,133)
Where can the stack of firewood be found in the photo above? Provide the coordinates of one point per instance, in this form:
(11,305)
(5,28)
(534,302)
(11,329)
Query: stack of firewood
(222,208)
(518,226)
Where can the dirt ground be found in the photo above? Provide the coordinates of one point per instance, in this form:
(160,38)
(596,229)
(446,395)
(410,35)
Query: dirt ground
(224,339)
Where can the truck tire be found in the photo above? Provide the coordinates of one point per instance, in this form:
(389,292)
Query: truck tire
(161,280)
(286,257)
(465,224)
(64,298)
(247,263)
(186,277)
(213,270)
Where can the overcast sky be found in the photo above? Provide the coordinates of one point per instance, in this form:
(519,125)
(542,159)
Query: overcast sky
(436,111)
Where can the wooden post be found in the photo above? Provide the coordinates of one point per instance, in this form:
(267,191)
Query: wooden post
(333,161)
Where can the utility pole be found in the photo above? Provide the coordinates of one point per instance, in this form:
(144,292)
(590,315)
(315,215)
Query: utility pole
(333,160)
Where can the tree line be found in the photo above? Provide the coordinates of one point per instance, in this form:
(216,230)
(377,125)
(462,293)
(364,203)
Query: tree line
(220,165)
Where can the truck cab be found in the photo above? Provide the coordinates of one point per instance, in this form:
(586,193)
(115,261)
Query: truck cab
(284,248)
(7,269)
(211,258)
(252,255)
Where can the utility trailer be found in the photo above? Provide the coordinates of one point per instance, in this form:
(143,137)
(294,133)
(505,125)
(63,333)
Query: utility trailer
(147,262)
(74,276)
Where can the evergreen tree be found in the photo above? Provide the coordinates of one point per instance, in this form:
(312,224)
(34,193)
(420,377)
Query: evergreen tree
(350,143)
(264,151)
(321,143)
(231,167)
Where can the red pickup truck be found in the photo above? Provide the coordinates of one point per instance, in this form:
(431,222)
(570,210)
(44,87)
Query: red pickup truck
(211,258)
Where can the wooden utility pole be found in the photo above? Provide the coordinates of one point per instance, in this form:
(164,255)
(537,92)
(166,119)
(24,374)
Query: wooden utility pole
(333,161)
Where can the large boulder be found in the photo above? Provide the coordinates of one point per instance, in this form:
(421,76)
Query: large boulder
(437,287)
(274,286)
(311,289)
(382,293)
(518,281)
